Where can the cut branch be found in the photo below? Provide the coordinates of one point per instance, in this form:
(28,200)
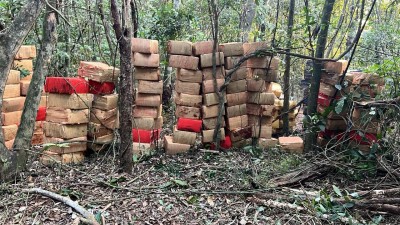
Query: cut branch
(86,214)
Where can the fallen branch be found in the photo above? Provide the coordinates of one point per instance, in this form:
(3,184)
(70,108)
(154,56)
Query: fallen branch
(276,204)
(88,217)
(299,176)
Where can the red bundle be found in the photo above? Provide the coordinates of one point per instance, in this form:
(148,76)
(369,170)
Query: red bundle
(189,125)
(41,114)
(66,85)
(99,88)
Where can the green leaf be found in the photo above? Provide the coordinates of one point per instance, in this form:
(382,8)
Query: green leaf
(348,205)
(97,217)
(355,195)
(337,190)
(181,183)
(340,105)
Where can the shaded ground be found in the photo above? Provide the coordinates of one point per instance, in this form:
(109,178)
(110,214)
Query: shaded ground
(200,188)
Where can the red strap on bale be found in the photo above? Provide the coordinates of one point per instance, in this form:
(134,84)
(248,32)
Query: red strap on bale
(142,136)
(227,143)
(41,114)
(325,100)
(66,85)
(189,125)
(99,88)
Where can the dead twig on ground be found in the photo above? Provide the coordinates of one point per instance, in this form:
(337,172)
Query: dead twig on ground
(88,217)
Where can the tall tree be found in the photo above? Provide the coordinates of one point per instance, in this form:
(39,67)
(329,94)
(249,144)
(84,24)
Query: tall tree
(311,136)
(286,75)
(246,19)
(11,40)
(123,33)
(27,125)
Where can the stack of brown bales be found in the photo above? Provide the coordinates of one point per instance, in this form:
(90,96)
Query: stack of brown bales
(104,111)
(147,118)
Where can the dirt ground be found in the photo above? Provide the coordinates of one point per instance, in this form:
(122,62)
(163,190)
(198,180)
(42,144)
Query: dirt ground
(197,188)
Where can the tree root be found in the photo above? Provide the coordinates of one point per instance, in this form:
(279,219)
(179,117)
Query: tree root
(88,217)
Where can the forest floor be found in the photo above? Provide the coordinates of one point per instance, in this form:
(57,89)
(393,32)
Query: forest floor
(197,188)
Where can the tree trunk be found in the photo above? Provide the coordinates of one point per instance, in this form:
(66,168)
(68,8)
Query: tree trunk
(311,136)
(27,125)
(10,41)
(213,10)
(123,33)
(106,27)
(286,76)
(248,14)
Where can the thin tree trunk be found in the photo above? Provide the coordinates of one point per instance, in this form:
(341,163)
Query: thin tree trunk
(123,33)
(106,27)
(311,137)
(213,10)
(286,76)
(248,14)
(134,17)
(10,41)
(27,125)
(339,26)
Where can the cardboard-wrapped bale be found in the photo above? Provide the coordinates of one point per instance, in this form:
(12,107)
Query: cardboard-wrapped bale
(192,76)
(143,73)
(179,47)
(105,102)
(144,46)
(291,144)
(202,47)
(26,52)
(153,100)
(187,88)
(67,116)
(184,62)
(206,59)
(9,132)
(146,60)
(74,101)
(209,134)
(187,112)
(184,137)
(10,118)
(208,85)
(150,87)
(12,91)
(231,49)
(172,148)
(64,131)
(208,74)
(142,148)
(211,99)
(13,77)
(188,100)
(74,145)
(144,123)
(98,71)
(50,158)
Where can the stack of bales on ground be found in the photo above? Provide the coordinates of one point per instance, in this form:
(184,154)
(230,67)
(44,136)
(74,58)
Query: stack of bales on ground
(14,97)
(104,111)
(67,118)
(187,97)
(147,118)
(366,120)
(260,96)
(210,108)
(336,123)
(237,126)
